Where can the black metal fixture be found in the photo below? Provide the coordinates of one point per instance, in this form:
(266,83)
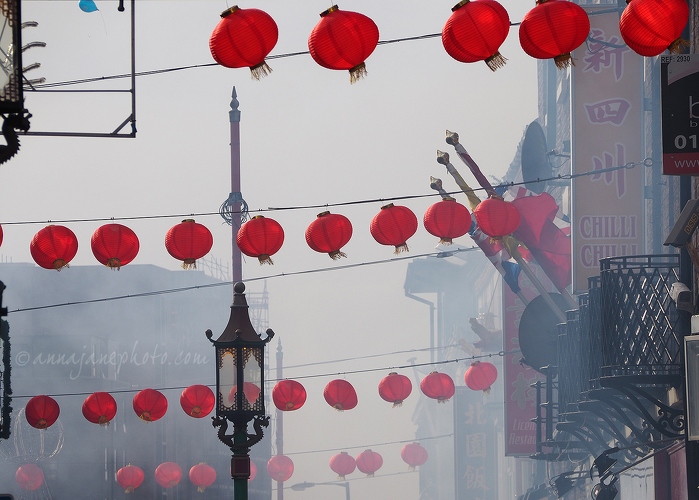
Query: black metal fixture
(565,482)
(240,388)
(604,491)
(604,462)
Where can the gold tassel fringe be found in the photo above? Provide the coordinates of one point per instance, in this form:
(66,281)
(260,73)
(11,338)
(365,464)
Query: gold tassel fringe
(114,263)
(677,46)
(129,489)
(189,264)
(445,241)
(336,254)
(357,73)
(259,71)
(496,61)
(265,259)
(403,247)
(397,403)
(564,61)
(201,489)
(59,264)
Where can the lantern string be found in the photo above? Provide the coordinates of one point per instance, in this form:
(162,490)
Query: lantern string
(441,254)
(647,162)
(271,380)
(372,445)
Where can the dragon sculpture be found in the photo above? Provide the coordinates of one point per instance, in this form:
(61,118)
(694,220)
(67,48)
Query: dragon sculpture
(252,439)
(10,125)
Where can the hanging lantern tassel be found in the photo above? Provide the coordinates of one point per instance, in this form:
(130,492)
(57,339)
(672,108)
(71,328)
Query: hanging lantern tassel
(494,62)
(265,259)
(257,72)
(357,73)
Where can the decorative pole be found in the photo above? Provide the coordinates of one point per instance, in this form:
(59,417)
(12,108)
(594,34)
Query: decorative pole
(234,209)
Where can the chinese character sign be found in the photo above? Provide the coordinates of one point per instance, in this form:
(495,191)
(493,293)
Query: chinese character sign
(679,93)
(476,446)
(606,110)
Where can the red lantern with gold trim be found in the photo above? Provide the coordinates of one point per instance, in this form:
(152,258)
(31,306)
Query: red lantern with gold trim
(343,464)
(168,474)
(414,455)
(114,245)
(99,408)
(395,388)
(439,386)
(202,476)
(329,233)
(369,462)
(280,468)
(447,219)
(650,27)
(343,40)
(42,411)
(340,394)
(30,477)
(53,247)
(288,395)
(150,405)
(480,376)
(188,241)
(260,237)
(497,217)
(553,29)
(197,400)
(243,38)
(393,225)
(475,32)
(130,477)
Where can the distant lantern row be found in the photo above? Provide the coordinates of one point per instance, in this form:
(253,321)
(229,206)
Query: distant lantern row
(30,476)
(115,245)
(343,40)
(198,400)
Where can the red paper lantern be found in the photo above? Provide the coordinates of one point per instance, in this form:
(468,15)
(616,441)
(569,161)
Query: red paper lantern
(202,476)
(288,395)
(243,38)
(114,245)
(168,474)
(439,386)
(42,411)
(475,31)
(480,376)
(447,219)
(1,235)
(250,390)
(369,462)
(329,233)
(260,237)
(553,29)
(30,477)
(99,408)
(253,471)
(130,477)
(343,40)
(394,388)
(650,27)
(414,455)
(150,405)
(53,247)
(280,468)
(188,241)
(343,464)
(197,400)
(393,225)
(340,395)
(497,217)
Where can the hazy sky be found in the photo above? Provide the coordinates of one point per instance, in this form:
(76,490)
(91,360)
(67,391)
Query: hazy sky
(308,138)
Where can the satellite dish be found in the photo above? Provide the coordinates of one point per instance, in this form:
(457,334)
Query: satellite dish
(535,160)
(538,332)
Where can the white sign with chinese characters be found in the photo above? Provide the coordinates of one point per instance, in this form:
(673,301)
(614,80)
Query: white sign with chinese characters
(606,111)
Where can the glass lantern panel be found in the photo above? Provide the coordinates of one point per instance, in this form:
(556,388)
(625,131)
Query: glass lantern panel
(228,376)
(252,369)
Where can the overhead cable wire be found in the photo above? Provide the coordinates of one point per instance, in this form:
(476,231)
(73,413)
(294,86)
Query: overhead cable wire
(647,162)
(229,283)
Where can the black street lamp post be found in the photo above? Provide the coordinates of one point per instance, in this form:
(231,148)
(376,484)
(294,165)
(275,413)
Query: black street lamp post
(240,388)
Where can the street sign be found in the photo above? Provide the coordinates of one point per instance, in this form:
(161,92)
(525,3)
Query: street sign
(679,78)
